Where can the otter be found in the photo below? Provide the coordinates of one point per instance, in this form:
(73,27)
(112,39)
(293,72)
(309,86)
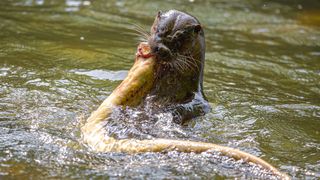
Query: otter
(178,43)
(168,72)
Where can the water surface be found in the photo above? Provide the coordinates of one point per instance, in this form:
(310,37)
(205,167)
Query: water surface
(60,59)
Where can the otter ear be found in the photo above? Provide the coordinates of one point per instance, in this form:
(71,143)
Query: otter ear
(197,28)
(159,14)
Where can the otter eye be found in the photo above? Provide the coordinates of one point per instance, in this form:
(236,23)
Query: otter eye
(163,32)
(193,28)
(178,34)
(160,30)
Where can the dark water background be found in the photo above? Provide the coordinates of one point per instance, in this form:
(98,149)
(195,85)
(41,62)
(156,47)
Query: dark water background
(60,58)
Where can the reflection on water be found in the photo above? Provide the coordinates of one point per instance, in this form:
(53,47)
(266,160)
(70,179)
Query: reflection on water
(60,59)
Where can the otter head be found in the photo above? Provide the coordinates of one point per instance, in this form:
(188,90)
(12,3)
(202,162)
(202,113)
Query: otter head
(177,41)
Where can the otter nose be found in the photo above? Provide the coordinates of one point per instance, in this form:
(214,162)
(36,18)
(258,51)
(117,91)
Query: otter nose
(162,51)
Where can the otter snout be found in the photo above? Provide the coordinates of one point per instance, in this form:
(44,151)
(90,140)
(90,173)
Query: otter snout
(160,50)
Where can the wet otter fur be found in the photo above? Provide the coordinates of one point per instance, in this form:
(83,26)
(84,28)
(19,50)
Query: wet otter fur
(178,43)
(174,87)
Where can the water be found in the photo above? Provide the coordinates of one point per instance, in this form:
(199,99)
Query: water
(60,59)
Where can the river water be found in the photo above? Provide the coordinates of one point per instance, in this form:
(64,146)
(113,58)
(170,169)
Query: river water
(60,58)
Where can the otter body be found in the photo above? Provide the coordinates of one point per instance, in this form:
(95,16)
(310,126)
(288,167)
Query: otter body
(178,43)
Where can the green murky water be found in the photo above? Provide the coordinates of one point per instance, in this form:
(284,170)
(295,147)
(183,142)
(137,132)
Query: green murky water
(60,58)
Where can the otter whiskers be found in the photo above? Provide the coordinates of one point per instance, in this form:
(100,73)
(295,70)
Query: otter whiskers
(185,63)
(141,32)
